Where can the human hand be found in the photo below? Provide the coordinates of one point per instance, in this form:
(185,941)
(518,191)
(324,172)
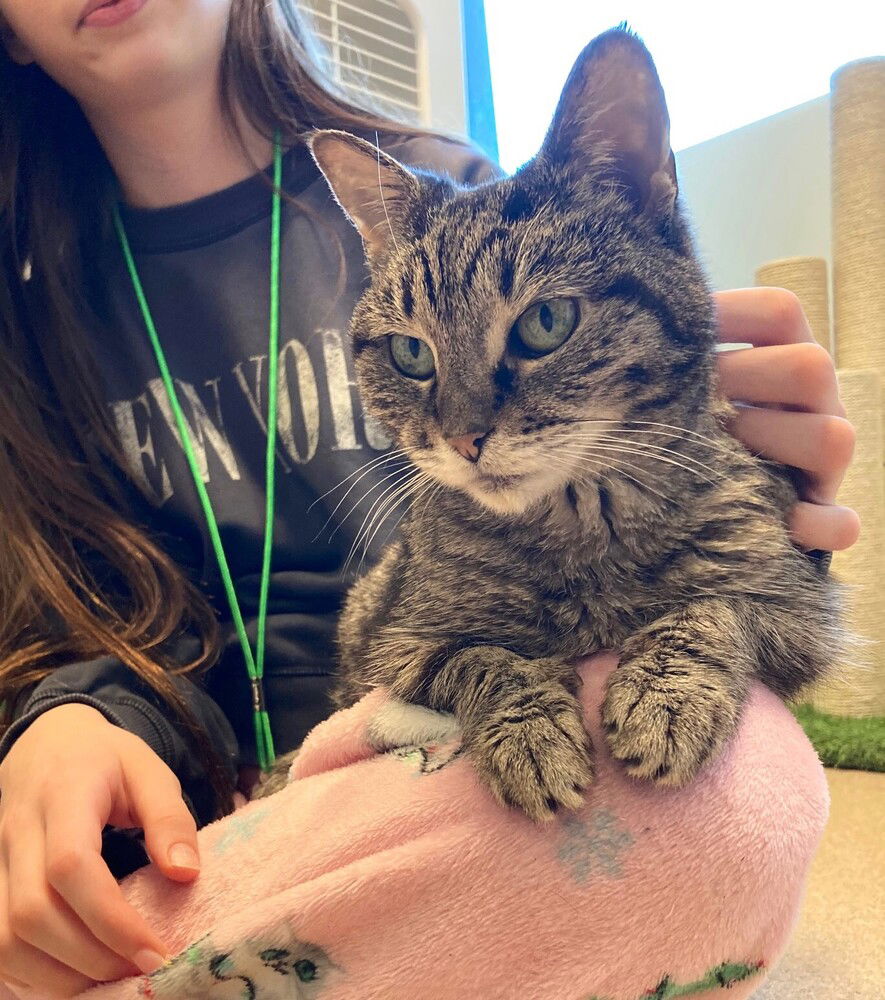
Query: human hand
(789,408)
(64,922)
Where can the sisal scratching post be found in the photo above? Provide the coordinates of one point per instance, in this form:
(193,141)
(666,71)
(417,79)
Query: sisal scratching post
(857,133)
(858,190)
(806,277)
(857,687)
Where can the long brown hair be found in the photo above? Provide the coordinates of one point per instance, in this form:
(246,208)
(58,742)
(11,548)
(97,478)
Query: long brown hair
(78,578)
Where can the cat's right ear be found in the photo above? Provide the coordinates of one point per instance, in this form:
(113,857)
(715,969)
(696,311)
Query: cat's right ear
(612,121)
(375,191)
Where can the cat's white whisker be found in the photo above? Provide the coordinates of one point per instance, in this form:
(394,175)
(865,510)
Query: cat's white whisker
(403,476)
(414,487)
(673,436)
(615,435)
(598,473)
(645,446)
(424,492)
(602,470)
(663,428)
(380,468)
(585,451)
(380,508)
(615,465)
(396,472)
(615,438)
(389,491)
(381,192)
(400,483)
(367,466)
(612,444)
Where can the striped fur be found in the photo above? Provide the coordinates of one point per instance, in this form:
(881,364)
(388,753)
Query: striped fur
(609,506)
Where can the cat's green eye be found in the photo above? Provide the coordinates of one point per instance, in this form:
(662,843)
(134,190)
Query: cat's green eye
(411,356)
(546,325)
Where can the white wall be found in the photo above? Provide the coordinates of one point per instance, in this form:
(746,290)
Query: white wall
(760,192)
(753,195)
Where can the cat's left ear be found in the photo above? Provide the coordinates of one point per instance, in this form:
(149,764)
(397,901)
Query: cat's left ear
(612,119)
(375,191)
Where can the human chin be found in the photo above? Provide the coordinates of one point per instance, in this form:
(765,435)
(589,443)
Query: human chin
(165,50)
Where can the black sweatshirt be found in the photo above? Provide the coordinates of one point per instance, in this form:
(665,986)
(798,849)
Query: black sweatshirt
(204,266)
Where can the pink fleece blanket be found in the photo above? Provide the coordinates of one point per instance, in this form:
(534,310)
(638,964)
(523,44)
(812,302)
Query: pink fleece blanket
(385,870)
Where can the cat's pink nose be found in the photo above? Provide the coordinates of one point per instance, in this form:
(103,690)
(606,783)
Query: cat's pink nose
(468,445)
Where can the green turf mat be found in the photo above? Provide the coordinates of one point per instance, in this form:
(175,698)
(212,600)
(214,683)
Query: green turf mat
(853,744)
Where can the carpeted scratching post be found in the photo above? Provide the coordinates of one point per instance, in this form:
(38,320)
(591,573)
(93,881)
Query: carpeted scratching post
(845,716)
(858,204)
(858,194)
(806,277)
(857,687)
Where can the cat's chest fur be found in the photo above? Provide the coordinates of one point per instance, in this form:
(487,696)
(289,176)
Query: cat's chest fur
(583,571)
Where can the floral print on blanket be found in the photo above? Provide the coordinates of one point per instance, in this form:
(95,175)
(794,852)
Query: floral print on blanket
(721,977)
(238,828)
(428,758)
(593,845)
(275,967)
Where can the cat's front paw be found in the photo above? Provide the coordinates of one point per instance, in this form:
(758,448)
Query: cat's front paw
(536,756)
(666,721)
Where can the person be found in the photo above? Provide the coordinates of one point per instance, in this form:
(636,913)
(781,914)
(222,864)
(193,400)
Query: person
(112,605)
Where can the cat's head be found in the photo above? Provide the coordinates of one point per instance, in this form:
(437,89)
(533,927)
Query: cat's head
(507,327)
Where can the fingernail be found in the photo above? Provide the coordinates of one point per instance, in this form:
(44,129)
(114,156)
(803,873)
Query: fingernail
(727,348)
(149,961)
(183,856)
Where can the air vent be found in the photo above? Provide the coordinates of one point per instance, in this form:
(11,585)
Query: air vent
(371,50)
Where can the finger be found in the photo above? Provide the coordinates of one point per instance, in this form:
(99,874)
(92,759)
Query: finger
(31,969)
(39,916)
(801,376)
(17,983)
(827,527)
(761,316)
(78,873)
(170,832)
(818,444)
(26,967)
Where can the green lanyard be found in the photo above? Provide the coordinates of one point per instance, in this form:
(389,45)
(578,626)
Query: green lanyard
(254,664)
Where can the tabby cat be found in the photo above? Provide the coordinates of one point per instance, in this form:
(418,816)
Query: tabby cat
(542,348)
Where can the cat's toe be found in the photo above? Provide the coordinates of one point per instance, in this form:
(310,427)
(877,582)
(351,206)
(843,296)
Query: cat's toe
(665,728)
(539,765)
